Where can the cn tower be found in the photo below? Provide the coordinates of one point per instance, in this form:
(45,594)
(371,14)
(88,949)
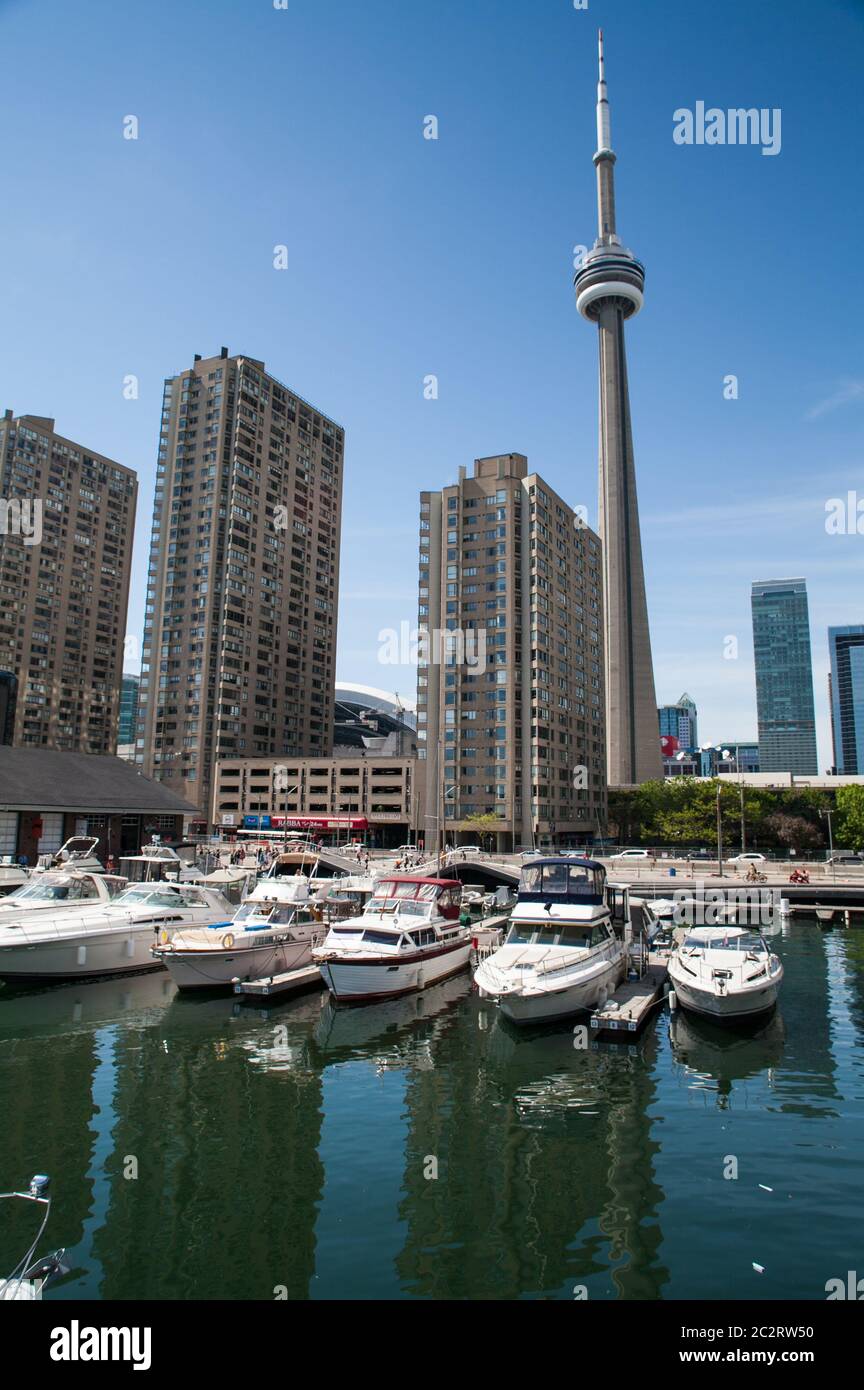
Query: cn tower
(609,288)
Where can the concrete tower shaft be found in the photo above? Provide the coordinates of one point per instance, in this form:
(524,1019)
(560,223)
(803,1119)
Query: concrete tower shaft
(609,289)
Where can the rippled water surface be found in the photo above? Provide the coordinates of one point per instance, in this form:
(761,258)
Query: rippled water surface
(424,1149)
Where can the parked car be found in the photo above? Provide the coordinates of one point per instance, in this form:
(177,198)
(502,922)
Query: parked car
(634,855)
(527,853)
(846,856)
(751,857)
(697,855)
(469,849)
(406,849)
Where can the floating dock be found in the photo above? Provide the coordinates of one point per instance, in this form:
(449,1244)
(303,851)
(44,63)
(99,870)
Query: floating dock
(630,1006)
(287,983)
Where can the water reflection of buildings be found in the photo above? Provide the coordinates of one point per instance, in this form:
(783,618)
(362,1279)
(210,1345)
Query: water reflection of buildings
(544,1168)
(228,1170)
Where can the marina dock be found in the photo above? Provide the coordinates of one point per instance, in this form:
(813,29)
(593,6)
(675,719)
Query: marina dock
(290,982)
(633,1001)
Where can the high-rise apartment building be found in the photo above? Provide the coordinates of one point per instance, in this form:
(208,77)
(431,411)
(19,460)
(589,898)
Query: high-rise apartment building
(240,632)
(680,721)
(784,677)
(846,649)
(67,518)
(510,712)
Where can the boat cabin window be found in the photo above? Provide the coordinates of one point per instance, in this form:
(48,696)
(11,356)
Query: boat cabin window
(383,938)
(425,937)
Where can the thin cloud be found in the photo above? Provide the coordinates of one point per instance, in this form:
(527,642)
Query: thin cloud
(851,391)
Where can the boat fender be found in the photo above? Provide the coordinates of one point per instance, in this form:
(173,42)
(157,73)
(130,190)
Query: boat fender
(673,1000)
(164,937)
(228,941)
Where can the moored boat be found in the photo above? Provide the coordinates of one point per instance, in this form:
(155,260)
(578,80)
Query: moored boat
(725,972)
(273,932)
(408,937)
(104,940)
(562,954)
(56,890)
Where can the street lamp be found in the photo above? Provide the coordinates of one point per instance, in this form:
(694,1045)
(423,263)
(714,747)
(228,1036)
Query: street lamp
(828,815)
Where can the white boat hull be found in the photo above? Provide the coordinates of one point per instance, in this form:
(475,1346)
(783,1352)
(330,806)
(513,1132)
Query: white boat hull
(115,951)
(735,1004)
(218,969)
(549,1003)
(387,979)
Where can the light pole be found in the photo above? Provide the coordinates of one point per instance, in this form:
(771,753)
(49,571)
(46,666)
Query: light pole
(828,815)
(446,789)
(728,754)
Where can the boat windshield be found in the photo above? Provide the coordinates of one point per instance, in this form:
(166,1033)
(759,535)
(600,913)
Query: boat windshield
(55,888)
(153,895)
(407,907)
(582,935)
(383,938)
(273,914)
(744,941)
(557,878)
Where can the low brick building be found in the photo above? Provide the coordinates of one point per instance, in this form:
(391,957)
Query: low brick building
(46,796)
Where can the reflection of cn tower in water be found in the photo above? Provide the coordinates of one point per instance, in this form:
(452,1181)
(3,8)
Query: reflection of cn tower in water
(609,288)
(545,1167)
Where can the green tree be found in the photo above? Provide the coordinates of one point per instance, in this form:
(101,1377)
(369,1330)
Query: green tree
(484,825)
(849,825)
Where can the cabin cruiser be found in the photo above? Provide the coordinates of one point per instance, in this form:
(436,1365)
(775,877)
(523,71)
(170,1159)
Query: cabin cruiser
(157,864)
(273,932)
(347,896)
(58,889)
(104,939)
(725,972)
(565,951)
(408,937)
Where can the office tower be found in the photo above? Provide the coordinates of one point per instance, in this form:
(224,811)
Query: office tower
(679,721)
(240,634)
(846,649)
(510,714)
(126,729)
(609,288)
(68,517)
(784,677)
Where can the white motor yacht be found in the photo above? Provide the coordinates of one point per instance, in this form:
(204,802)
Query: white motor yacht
(55,890)
(562,954)
(725,972)
(109,939)
(408,937)
(272,933)
(156,864)
(78,852)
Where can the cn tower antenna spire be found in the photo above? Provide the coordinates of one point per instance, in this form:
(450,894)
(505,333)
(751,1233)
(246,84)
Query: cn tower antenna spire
(604,137)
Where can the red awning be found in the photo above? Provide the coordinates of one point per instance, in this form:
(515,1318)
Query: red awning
(319,823)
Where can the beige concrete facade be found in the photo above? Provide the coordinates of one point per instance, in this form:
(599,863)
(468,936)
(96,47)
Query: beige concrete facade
(514,725)
(64,584)
(240,639)
(383,791)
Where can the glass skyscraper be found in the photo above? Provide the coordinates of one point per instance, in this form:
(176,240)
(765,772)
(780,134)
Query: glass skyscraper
(784,677)
(846,647)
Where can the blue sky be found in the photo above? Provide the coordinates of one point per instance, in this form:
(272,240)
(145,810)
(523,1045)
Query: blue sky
(454,257)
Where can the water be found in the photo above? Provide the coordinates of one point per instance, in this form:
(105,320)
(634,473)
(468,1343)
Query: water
(294,1152)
